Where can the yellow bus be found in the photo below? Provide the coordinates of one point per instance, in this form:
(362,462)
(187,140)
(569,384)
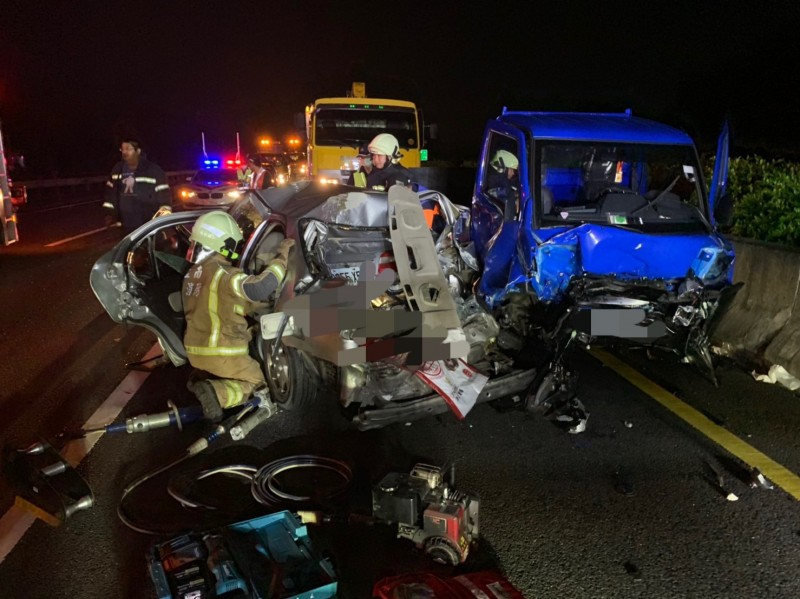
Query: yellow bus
(337,127)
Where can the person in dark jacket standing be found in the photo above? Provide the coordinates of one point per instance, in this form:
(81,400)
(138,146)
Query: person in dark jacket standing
(386,168)
(136,188)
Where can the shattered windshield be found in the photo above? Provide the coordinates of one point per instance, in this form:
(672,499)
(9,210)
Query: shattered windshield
(643,186)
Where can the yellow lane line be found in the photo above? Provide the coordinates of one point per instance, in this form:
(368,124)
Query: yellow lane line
(781,476)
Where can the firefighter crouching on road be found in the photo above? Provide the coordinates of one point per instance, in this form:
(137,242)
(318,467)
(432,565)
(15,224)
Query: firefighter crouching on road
(136,188)
(216,298)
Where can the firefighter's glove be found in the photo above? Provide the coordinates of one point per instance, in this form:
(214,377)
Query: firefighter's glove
(283,250)
(260,288)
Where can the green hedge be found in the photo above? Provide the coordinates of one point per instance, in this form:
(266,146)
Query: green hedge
(766,197)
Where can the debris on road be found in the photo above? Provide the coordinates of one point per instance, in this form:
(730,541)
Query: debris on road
(571,415)
(759,480)
(714,476)
(778,374)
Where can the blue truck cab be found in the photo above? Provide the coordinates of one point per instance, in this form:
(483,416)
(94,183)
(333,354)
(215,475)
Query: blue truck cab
(605,228)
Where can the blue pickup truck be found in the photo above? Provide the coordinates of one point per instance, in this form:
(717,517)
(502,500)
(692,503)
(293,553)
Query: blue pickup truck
(600,227)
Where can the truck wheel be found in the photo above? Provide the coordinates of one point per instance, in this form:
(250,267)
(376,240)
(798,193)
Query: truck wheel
(292,384)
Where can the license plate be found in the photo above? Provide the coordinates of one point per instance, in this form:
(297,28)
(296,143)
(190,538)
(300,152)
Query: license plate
(348,273)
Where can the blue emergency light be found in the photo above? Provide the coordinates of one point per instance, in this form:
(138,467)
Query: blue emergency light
(211,162)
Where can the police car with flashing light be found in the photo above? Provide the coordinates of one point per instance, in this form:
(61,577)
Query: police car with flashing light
(215,186)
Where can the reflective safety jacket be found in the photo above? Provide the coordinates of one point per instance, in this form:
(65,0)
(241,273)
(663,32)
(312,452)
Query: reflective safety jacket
(134,200)
(215,304)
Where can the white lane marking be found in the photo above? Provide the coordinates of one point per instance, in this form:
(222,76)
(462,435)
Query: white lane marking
(74,237)
(16,521)
(62,207)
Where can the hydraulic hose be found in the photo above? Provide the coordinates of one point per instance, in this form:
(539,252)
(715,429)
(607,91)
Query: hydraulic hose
(238,426)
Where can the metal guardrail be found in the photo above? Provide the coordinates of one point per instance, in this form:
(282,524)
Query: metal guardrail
(172,176)
(49,193)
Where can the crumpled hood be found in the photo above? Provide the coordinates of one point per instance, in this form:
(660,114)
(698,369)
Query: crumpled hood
(598,250)
(629,254)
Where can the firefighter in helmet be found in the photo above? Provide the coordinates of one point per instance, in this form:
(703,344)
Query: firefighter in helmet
(386,168)
(216,298)
(503,181)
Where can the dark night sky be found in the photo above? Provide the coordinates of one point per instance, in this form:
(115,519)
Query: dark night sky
(73,75)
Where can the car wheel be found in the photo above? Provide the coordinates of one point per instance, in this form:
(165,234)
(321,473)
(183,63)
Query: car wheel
(292,385)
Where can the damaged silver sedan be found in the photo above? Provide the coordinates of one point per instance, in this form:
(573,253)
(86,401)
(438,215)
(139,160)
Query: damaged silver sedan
(370,303)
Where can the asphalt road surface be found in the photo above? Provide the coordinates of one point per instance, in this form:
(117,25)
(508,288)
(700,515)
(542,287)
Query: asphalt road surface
(631,507)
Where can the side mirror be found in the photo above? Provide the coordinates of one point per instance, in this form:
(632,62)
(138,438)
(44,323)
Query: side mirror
(433,131)
(723,210)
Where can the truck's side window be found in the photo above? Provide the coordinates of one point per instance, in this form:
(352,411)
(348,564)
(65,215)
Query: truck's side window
(501,179)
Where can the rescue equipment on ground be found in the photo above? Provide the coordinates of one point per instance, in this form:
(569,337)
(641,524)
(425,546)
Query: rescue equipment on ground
(266,557)
(143,423)
(252,413)
(429,511)
(45,483)
(486,583)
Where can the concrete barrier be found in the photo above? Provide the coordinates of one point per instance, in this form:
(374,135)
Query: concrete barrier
(762,324)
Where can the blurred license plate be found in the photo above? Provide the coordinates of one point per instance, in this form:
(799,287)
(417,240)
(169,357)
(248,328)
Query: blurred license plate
(348,273)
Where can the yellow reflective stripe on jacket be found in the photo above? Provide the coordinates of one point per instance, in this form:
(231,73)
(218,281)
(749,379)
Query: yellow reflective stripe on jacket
(161,187)
(196,350)
(236,285)
(146,180)
(234,393)
(239,309)
(278,271)
(213,307)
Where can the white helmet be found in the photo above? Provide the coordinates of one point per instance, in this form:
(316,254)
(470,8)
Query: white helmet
(504,159)
(385,143)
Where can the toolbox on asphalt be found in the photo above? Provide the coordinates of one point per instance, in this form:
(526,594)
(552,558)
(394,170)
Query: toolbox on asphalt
(269,557)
